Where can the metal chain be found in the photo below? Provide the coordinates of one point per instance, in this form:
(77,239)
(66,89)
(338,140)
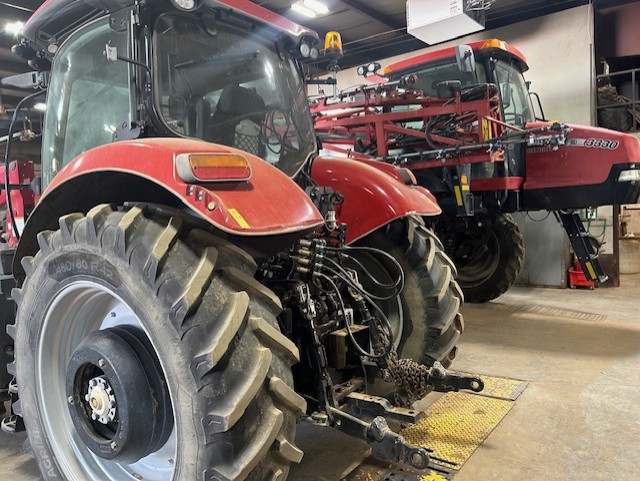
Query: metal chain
(409,377)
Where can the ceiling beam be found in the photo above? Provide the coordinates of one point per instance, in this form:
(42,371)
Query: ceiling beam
(372,13)
(14,4)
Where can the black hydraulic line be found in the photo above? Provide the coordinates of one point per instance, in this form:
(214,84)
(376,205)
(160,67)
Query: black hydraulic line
(7,156)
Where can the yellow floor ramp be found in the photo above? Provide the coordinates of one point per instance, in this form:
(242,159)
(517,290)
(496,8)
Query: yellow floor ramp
(452,428)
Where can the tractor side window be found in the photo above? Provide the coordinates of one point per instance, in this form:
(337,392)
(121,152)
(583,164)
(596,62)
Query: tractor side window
(88,97)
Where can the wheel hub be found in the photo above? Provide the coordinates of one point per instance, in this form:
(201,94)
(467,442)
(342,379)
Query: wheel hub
(117,396)
(101,400)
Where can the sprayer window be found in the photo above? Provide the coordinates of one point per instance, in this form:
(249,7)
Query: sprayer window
(515,95)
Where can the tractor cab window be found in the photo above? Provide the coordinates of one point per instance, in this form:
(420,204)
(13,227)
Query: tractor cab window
(87,99)
(515,96)
(231,87)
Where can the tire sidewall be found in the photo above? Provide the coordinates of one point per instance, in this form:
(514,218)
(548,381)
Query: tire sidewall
(412,301)
(504,231)
(62,268)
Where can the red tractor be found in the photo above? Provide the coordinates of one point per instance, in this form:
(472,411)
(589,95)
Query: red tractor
(195,277)
(462,120)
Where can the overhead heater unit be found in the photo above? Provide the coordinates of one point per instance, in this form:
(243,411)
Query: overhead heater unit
(434,21)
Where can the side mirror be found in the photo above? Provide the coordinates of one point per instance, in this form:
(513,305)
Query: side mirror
(465,59)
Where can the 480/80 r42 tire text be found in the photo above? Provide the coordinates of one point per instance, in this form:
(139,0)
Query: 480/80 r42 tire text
(208,368)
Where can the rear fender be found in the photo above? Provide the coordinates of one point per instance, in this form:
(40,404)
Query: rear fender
(374,194)
(260,214)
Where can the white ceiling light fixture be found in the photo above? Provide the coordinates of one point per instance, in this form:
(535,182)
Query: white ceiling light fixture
(299,7)
(318,7)
(13,28)
(40,107)
(310,8)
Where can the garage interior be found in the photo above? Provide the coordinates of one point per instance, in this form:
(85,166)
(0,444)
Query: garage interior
(558,357)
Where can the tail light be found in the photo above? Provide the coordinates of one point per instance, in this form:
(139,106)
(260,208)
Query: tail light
(213,168)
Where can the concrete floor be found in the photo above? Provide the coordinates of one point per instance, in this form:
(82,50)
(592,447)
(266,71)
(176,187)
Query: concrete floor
(579,418)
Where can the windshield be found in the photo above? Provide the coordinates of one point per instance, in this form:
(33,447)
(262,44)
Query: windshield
(230,87)
(515,95)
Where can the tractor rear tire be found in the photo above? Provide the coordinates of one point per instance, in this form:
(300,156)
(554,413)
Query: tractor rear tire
(493,271)
(427,321)
(209,325)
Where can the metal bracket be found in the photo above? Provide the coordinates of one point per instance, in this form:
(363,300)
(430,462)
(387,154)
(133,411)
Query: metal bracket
(445,381)
(461,179)
(28,80)
(363,405)
(383,441)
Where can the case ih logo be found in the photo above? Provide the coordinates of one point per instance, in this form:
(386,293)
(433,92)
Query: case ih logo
(594,143)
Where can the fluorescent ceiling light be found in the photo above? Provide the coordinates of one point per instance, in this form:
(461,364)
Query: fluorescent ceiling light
(303,10)
(40,107)
(318,7)
(13,28)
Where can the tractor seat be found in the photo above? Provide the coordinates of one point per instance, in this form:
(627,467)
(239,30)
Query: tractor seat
(238,119)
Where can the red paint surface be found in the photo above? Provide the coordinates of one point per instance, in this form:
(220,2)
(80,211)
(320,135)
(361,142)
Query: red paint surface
(22,200)
(50,7)
(271,203)
(496,183)
(373,198)
(449,52)
(573,165)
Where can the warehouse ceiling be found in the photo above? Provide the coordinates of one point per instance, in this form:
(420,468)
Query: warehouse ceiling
(371,29)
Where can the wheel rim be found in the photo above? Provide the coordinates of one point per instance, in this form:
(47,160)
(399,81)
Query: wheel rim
(481,266)
(74,312)
(393,307)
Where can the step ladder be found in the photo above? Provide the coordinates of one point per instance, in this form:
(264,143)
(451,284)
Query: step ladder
(582,246)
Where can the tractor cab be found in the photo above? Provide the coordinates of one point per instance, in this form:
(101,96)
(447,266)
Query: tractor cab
(158,71)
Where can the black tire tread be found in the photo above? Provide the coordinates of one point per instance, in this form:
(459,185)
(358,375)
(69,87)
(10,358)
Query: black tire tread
(435,297)
(440,291)
(221,325)
(512,260)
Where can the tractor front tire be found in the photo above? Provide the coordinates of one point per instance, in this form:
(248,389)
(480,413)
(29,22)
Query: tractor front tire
(206,390)
(426,319)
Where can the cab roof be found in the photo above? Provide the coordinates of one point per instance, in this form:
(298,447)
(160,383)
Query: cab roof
(56,19)
(494,47)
